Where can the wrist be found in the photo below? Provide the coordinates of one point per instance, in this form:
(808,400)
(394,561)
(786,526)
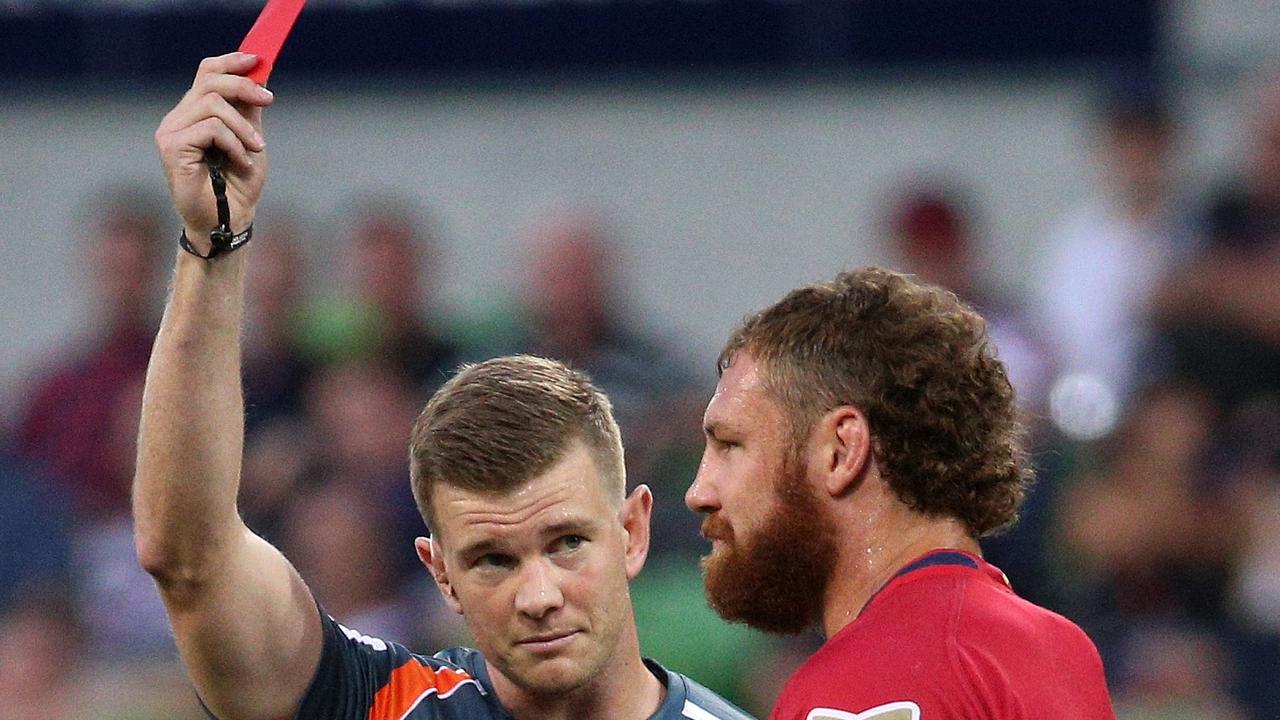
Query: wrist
(200,235)
(214,243)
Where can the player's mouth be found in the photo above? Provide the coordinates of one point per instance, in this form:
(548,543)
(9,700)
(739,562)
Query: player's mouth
(546,643)
(716,529)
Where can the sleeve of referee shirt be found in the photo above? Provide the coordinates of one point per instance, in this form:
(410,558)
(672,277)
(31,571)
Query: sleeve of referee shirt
(353,668)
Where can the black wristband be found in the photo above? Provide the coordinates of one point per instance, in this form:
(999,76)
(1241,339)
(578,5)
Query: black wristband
(223,243)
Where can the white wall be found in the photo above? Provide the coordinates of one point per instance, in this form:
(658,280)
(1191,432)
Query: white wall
(723,196)
(1237,33)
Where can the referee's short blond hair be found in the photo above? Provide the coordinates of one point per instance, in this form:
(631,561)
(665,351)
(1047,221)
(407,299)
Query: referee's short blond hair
(499,423)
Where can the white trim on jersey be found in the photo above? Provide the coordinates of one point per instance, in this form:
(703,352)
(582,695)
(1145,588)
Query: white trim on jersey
(695,712)
(892,710)
(373,642)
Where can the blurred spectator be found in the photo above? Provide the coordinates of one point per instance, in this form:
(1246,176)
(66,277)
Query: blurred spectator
(125,620)
(275,369)
(278,457)
(41,659)
(1251,457)
(337,537)
(383,317)
(1178,674)
(932,233)
(930,226)
(1153,507)
(575,314)
(1221,315)
(278,449)
(50,668)
(664,453)
(81,419)
(1106,260)
(35,527)
(1262,161)
(360,415)
(1155,535)
(1254,462)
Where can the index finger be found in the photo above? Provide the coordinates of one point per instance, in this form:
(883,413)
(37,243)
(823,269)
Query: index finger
(236,63)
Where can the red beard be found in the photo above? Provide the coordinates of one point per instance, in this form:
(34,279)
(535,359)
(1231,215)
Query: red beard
(774,580)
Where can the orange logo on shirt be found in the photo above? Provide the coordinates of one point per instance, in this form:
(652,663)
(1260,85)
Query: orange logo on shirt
(410,684)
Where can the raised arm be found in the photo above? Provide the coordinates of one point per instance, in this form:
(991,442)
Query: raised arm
(246,625)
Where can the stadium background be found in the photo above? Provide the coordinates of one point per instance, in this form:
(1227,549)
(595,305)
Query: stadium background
(675,164)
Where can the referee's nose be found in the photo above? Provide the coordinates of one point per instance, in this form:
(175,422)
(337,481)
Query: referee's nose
(539,591)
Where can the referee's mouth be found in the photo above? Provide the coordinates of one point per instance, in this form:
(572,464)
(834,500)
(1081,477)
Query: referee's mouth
(548,642)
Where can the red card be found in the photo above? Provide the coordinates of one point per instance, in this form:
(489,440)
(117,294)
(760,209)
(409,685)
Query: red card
(268,34)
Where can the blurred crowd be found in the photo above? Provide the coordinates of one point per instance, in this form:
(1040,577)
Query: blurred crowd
(1147,362)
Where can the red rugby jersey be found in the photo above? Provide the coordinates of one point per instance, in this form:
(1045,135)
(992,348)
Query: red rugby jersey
(947,639)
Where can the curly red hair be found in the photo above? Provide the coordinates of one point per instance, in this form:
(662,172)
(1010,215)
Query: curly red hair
(919,365)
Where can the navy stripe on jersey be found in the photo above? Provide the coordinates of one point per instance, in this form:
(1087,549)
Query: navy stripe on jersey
(938,558)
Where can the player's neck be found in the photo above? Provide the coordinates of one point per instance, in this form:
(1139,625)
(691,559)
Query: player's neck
(623,689)
(898,537)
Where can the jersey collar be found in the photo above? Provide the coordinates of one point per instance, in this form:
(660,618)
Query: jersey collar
(942,558)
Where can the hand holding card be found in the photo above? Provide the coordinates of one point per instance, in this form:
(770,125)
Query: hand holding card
(268,34)
(265,39)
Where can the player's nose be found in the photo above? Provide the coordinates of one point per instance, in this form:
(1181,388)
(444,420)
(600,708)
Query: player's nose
(701,495)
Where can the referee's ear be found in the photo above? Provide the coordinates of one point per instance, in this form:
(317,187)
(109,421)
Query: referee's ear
(432,556)
(636,512)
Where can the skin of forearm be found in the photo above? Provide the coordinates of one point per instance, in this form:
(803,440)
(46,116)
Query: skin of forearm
(191,435)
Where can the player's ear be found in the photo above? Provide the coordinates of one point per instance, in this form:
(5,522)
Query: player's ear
(636,512)
(432,556)
(843,439)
